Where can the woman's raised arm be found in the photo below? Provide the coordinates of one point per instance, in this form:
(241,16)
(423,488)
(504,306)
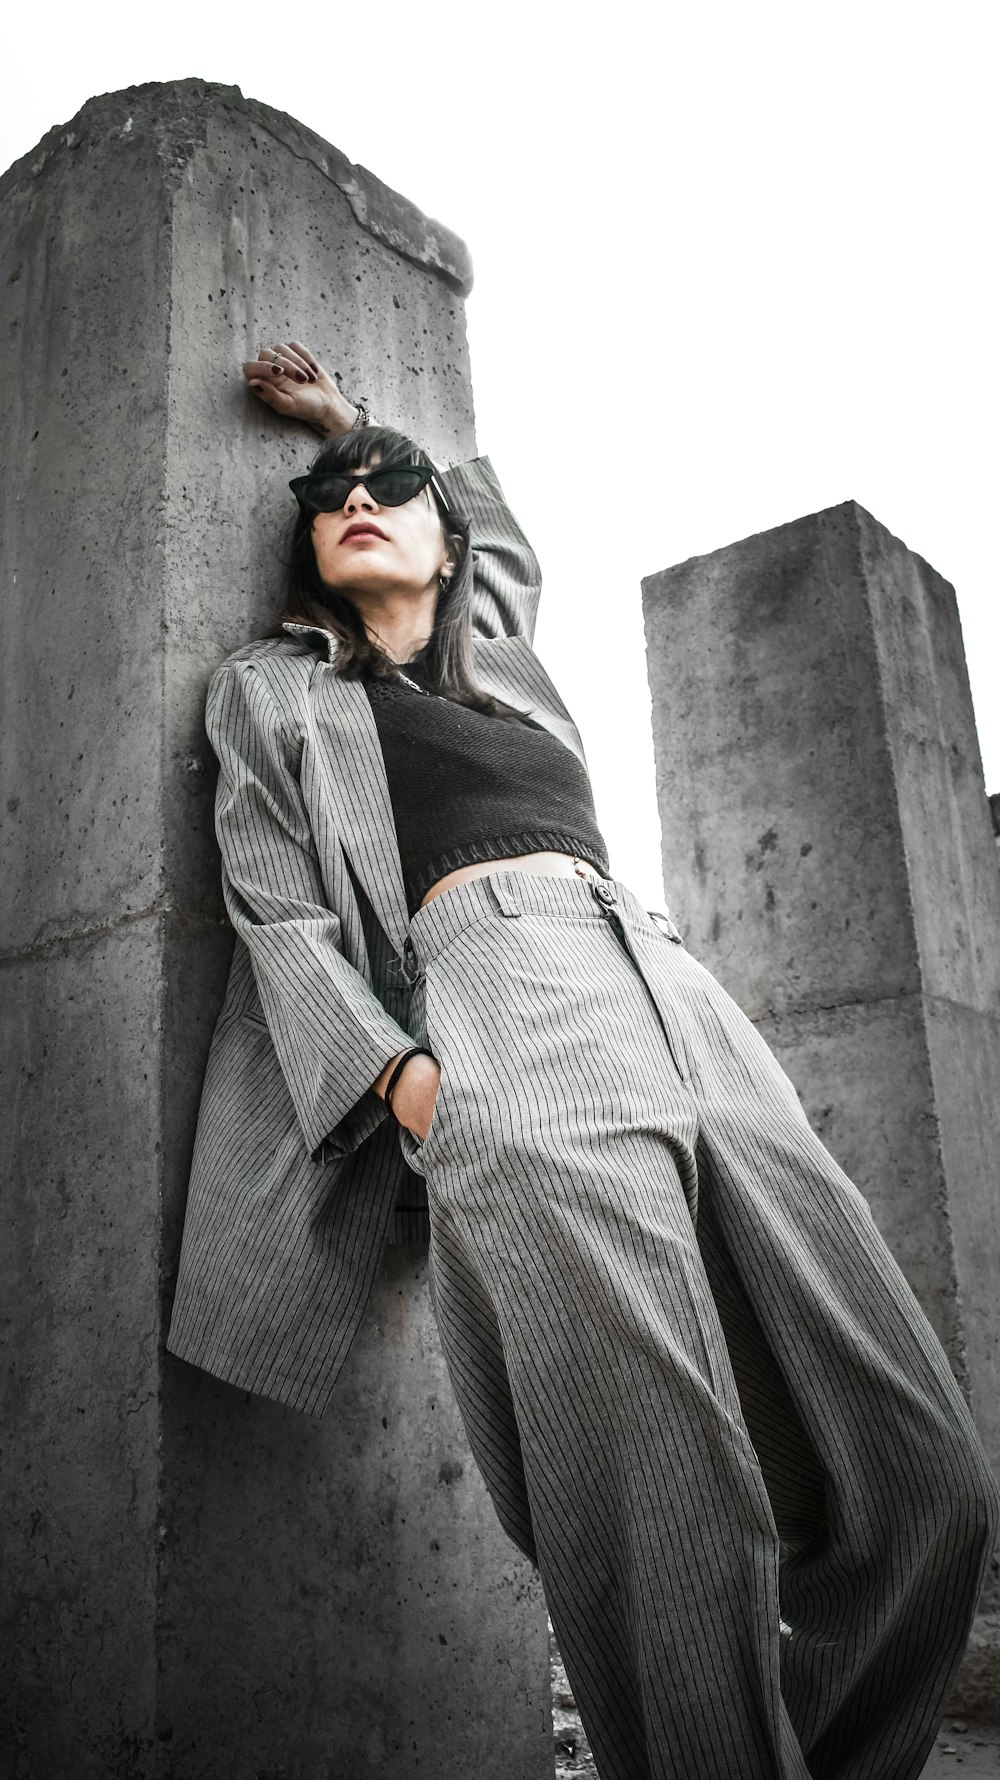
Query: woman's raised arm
(508,580)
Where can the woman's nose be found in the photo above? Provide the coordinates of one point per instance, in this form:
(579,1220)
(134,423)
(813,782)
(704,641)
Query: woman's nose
(358,498)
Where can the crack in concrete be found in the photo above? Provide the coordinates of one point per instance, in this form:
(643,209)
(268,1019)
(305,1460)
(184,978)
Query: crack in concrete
(794,1009)
(797,1009)
(195,921)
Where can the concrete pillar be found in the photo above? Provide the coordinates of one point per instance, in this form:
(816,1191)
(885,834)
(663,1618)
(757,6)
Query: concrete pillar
(202,1584)
(827,848)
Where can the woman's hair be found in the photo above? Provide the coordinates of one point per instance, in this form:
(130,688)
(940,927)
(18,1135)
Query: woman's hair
(448,655)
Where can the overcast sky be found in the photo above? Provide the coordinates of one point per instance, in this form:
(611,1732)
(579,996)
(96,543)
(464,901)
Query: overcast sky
(744,257)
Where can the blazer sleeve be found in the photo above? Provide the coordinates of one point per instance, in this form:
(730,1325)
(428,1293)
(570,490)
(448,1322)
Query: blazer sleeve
(331,1033)
(508,581)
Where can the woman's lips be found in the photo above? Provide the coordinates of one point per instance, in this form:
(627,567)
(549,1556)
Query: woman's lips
(362,531)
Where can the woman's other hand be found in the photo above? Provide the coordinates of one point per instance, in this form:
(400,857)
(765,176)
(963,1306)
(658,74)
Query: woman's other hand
(415,1094)
(292,382)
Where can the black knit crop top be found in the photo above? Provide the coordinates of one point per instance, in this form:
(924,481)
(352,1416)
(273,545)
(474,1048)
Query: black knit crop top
(467,787)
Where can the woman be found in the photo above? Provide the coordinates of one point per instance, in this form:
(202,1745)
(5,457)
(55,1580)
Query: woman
(701,1393)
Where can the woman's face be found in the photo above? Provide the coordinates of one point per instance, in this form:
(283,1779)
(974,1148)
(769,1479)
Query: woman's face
(367,548)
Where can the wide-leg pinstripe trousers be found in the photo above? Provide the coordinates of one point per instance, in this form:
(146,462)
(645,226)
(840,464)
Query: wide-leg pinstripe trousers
(701,1393)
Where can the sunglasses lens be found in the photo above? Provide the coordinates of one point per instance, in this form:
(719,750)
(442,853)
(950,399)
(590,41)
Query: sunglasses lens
(393,486)
(325,494)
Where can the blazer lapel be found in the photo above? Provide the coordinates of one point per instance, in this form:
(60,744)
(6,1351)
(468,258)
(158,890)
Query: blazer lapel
(347,750)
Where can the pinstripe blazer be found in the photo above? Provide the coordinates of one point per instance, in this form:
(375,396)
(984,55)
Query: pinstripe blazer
(297,1167)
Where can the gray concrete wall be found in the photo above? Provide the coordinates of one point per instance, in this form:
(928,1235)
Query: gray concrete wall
(198,1583)
(828,851)
(340,1594)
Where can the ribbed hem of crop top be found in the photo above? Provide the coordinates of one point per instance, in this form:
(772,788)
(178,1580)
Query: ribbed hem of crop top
(501,846)
(466,787)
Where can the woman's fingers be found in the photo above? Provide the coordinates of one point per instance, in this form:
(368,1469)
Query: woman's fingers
(280,393)
(275,365)
(285,366)
(307,358)
(292,364)
(291,381)
(271,373)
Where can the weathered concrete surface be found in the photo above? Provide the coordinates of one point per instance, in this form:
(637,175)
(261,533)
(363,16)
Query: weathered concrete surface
(828,851)
(79,1290)
(149,247)
(386,1647)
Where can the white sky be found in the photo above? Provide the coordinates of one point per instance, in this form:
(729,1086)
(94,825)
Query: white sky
(755,244)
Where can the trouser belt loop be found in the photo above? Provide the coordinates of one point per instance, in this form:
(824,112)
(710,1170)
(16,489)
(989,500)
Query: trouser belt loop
(502,892)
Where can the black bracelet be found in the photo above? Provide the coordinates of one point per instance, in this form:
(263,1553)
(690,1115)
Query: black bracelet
(417,1051)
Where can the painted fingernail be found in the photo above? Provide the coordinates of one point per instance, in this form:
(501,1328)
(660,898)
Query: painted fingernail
(277,369)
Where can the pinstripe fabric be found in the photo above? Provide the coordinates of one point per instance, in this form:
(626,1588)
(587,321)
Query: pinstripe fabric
(700,1390)
(297,1171)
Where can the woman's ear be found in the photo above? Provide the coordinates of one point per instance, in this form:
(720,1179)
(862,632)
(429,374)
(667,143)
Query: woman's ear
(455,548)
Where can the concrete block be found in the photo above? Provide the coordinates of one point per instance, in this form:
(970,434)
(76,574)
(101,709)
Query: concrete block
(828,852)
(863,1073)
(781,839)
(374,1602)
(200,1584)
(84,318)
(79,1071)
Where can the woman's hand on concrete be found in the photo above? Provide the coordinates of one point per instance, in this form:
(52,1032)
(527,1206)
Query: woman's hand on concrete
(415,1094)
(292,382)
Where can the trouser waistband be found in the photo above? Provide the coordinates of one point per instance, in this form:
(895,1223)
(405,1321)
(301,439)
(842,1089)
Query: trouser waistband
(516,893)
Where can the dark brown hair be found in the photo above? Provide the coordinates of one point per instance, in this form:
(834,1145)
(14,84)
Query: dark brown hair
(447,657)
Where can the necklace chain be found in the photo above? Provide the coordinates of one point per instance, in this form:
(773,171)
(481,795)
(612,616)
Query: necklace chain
(421,689)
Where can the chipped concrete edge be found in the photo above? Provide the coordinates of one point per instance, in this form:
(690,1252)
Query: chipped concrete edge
(175,116)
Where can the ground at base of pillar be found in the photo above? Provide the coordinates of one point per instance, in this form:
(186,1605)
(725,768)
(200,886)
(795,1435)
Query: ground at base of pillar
(961,1748)
(573,1758)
